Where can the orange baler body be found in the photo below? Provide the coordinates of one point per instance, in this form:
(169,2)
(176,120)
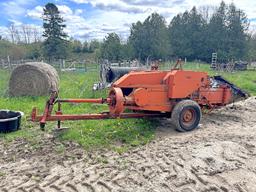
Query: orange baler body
(160,90)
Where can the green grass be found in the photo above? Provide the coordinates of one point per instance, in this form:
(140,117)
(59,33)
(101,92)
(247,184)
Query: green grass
(119,134)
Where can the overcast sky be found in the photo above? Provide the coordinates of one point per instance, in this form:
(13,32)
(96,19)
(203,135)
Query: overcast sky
(93,19)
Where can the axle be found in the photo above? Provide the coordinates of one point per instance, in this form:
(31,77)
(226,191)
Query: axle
(100,100)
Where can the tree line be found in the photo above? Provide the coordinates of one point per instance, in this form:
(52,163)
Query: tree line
(193,35)
(189,35)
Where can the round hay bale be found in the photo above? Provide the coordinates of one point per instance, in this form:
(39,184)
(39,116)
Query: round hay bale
(33,79)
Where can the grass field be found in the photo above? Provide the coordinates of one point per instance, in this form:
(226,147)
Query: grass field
(119,134)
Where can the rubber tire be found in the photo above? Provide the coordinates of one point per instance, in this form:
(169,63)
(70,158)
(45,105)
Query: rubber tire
(177,111)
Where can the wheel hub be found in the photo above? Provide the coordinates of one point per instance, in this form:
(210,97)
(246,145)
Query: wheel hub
(188,116)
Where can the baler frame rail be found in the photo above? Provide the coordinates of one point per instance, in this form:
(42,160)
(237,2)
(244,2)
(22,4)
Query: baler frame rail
(59,116)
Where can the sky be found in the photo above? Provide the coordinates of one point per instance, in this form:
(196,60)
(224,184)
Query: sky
(94,19)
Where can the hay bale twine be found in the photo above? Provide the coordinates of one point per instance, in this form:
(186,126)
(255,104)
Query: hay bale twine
(33,79)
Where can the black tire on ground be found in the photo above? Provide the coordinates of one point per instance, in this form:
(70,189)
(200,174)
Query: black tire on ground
(186,115)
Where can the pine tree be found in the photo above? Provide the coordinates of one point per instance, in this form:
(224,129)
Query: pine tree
(187,35)
(251,45)
(218,33)
(197,36)
(137,40)
(176,36)
(150,38)
(237,25)
(55,44)
(228,28)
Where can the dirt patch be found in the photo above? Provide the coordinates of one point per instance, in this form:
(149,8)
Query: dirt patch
(219,156)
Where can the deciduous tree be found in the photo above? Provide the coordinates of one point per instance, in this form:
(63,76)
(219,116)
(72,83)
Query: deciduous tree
(111,47)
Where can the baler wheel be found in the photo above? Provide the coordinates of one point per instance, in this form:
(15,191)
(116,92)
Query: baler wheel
(186,115)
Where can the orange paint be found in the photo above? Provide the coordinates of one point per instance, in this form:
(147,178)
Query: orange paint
(159,90)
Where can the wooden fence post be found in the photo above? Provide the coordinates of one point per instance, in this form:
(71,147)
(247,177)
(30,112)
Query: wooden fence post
(9,63)
(60,64)
(63,63)
(3,64)
(85,66)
